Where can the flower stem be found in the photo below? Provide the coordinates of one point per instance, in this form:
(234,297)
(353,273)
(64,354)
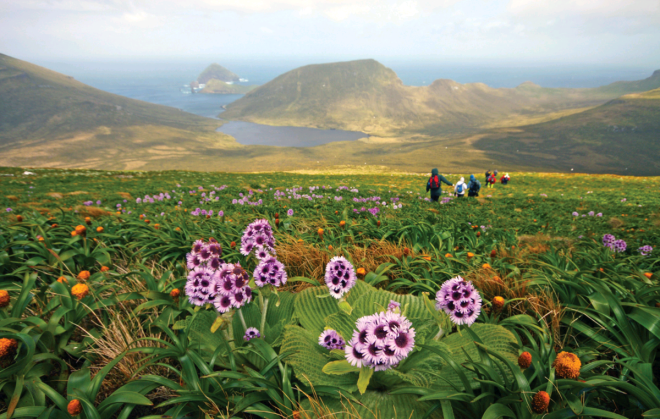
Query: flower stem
(240,315)
(264,310)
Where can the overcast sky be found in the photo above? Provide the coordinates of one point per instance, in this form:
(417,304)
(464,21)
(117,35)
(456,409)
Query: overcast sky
(612,32)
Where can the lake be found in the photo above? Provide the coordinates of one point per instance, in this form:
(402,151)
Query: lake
(249,133)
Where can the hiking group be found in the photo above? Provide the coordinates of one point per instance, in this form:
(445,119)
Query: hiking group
(461,188)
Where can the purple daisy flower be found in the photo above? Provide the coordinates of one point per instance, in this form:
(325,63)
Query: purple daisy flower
(619,246)
(290,212)
(330,340)
(339,276)
(215,249)
(200,286)
(393,306)
(251,333)
(222,303)
(231,287)
(258,236)
(460,300)
(354,354)
(645,250)
(575,214)
(197,247)
(270,271)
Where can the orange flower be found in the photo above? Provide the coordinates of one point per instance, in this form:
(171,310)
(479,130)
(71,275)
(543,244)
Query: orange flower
(118,212)
(88,221)
(80,291)
(142,215)
(19,218)
(81,230)
(648,275)
(62,280)
(342,223)
(277,221)
(361,271)
(277,215)
(320,231)
(498,303)
(157,226)
(41,238)
(478,233)
(300,240)
(497,279)
(485,266)
(448,255)
(470,255)
(147,221)
(8,348)
(525,360)
(83,275)
(296,414)
(493,253)
(74,234)
(330,247)
(175,294)
(601,269)
(567,365)
(74,407)
(540,402)
(4,298)
(426,257)
(178,229)
(99,229)
(104,269)
(378,223)
(232,244)
(406,251)
(53,225)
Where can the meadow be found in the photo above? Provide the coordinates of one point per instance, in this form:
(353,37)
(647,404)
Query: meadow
(161,294)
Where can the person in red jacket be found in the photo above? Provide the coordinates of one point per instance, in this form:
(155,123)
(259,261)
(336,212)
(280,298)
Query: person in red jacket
(491,180)
(505,179)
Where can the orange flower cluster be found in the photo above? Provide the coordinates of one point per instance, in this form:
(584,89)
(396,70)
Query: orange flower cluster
(74,407)
(448,255)
(175,294)
(104,269)
(83,275)
(320,231)
(486,266)
(540,402)
(4,298)
(88,221)
(8,348)
(157,226)
(498,303)
(525,360)
(62,280)
(80,291)
(361,271)
(342,223)
(99,229)
(567,365)
(80,230)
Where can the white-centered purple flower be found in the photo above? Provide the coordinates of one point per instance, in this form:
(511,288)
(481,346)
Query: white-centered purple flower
(608,240)
(251,333)
(460,300)
(619,246)
(258,236)
(330,340)
(231,287)
(393,306)
(200,286)
(381,341)
(290,212)
(339,276)
(270,271)
(645,250)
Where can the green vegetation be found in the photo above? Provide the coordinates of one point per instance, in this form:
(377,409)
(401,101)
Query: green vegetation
(96,321)
(619,136)
(366,96)
(216,72)
(220,87)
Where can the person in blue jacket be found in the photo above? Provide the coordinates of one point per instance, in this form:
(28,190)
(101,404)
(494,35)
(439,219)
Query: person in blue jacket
(473,187)
(433,185)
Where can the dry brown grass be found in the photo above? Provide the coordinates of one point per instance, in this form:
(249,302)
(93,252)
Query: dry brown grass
(615,222)
(94,212)
(125,195)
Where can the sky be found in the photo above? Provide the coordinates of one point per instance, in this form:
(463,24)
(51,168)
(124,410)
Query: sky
(533,32)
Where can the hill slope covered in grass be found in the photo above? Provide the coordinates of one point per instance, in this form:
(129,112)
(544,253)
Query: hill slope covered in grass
(47,115)
(366,96)
(620,136)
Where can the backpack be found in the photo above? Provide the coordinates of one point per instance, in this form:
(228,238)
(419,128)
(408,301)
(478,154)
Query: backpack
(434,182)
(459,188)
(474,187)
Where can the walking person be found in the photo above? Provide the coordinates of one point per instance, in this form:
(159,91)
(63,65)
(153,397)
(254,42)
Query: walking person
(487,176)
(491,181)
(473,187)
(460,188)
(433,185)
(505,179)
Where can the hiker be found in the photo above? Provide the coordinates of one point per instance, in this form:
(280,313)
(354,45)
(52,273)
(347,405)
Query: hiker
(460,188)
(505,179)
(433,185)
(487,175)
(473,187)
(491,181)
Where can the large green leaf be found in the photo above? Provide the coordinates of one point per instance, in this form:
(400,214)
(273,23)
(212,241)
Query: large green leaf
(372,405)
(308,359)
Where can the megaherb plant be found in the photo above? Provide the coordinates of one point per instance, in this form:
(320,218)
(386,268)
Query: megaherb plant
(567,325)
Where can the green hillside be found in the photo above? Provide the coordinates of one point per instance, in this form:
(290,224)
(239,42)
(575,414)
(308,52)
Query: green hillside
(366,96)
(217,72)
(47,116)
(620,136)
(220,87)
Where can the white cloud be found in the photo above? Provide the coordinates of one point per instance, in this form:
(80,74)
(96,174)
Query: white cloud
(266,30)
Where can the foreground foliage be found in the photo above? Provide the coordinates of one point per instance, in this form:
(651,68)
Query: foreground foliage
(95,321)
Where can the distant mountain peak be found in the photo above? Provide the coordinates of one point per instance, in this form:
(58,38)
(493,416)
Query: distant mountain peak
(218,72)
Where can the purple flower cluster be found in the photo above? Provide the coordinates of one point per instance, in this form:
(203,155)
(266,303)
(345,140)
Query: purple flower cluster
(381,341)
(339,276)
(330,340)
(460,300)
(231,287)
(206,255)
(645,250)
(618,246)
(251,333)
(393,306)
(258,236)
(270,271)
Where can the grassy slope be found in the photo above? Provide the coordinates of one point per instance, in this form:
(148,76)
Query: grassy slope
(51,119)
(220,87)
(621,134)
(364,95)
(217,72)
